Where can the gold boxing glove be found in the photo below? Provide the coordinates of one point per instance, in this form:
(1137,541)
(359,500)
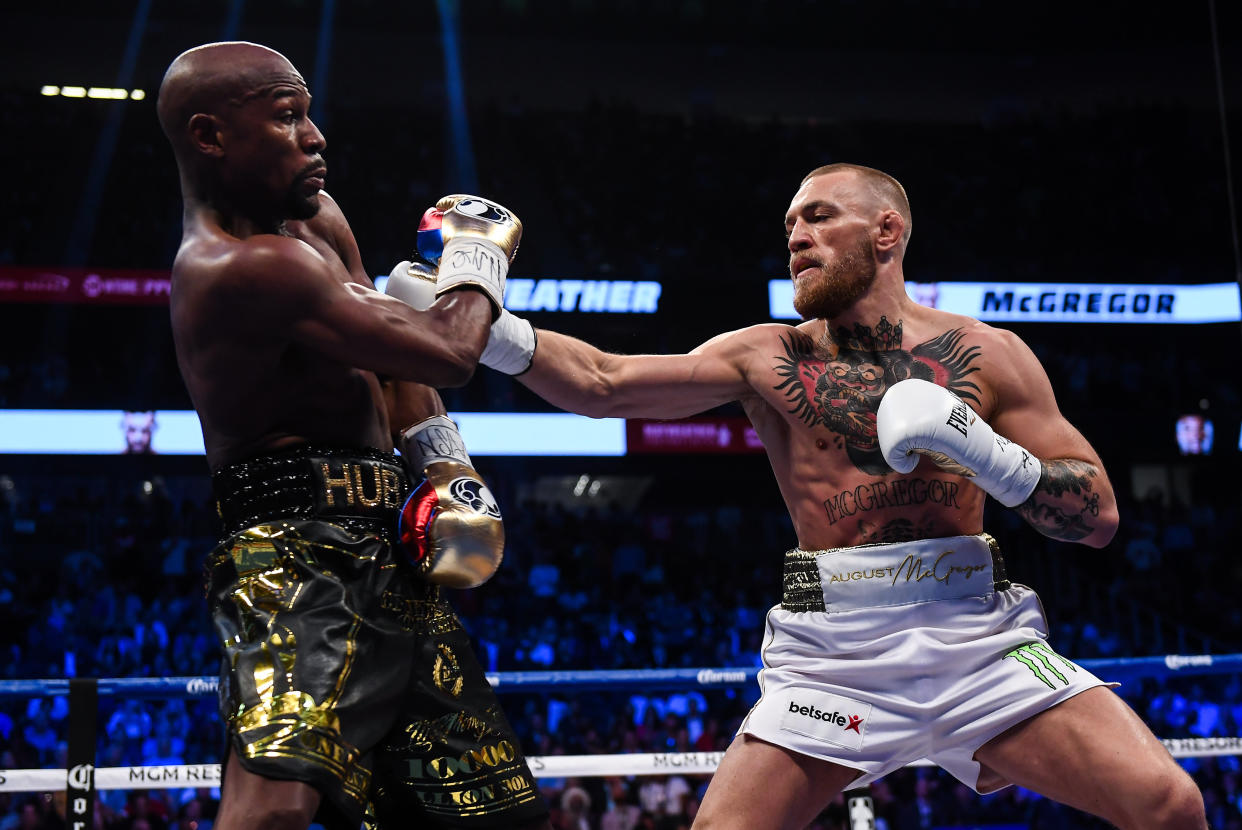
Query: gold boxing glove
(476,240)
(450,526)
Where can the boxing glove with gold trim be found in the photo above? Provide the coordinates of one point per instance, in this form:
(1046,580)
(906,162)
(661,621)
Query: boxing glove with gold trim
(450,526)
(477,240)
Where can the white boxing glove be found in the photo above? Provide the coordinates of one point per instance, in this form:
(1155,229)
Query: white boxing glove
(916,416)
(413,283)
(510,345)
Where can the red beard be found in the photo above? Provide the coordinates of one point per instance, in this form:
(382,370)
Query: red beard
(835,289)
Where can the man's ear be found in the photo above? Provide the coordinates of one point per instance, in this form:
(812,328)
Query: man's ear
(205,135)
(892,227)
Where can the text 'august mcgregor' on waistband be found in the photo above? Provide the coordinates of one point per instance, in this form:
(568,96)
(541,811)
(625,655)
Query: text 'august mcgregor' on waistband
(901,573)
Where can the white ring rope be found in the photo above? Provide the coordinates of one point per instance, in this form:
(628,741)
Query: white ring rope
(193,776)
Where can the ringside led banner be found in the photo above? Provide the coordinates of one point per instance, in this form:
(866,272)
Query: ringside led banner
(607,296)
(110,286)
(711,435)
(989,301)
(126,286)
(1026,302)
(534,434)
(522,434)
(177,432)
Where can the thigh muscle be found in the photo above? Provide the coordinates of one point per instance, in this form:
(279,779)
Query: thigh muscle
(760,786)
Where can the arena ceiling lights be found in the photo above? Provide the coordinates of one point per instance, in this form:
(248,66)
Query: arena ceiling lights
(97,92)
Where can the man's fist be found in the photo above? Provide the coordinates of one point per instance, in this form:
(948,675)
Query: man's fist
(920,418)
(413,283)
(472,240)
(450,527)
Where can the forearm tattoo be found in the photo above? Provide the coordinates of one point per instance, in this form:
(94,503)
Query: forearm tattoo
(1064,505)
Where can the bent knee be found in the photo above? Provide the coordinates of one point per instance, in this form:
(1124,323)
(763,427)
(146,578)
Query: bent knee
(711,819)
(277,817)
(1183,808)
(1175,804)
(289,818)
(705,821)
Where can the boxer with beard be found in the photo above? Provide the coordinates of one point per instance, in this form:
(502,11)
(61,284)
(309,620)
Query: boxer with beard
(348,685)
(898,636)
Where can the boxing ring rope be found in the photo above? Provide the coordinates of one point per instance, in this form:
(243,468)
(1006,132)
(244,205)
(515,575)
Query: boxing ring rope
(616,680)
(547,766)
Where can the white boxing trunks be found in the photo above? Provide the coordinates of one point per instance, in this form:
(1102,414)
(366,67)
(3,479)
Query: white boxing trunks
(880,655)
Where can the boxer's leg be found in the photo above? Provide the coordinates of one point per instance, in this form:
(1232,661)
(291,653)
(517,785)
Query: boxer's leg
(252,801)
(761,786)
(451,758)
(315,662)
(1093,753)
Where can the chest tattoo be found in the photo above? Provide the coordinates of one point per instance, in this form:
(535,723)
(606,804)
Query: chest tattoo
(838,381)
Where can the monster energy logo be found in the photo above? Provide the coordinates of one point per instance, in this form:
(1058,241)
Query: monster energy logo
(1043,662)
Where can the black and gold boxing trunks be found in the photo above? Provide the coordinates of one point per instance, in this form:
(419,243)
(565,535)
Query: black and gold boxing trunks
(341,668)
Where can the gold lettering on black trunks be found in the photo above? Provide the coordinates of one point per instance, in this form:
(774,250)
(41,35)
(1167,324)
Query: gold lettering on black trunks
(422,615)
(330,484)
(363,484)
(447,671)
(483,780)
(392,491)
(503,794)
(294,727)
(374,500)
(470,763)
(424,733)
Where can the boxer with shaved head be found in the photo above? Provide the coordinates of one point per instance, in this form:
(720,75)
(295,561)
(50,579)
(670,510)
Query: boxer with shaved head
(898,637)
(347,682)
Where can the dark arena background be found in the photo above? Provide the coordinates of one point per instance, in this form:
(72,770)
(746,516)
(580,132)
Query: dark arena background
(1073,176)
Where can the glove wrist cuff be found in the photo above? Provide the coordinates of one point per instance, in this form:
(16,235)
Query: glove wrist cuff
(434,439)
(1016,484)
(472,260)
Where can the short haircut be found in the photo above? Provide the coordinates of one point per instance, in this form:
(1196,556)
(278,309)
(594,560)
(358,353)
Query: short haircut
(886,188)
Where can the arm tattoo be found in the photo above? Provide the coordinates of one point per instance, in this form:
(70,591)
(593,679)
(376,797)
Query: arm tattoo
(1063,505)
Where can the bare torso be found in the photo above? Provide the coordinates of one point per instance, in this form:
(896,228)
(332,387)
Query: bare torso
(815,397)
(255,387)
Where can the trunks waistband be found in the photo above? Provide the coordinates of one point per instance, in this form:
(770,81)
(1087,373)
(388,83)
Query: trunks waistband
(901,573)
(311,481)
